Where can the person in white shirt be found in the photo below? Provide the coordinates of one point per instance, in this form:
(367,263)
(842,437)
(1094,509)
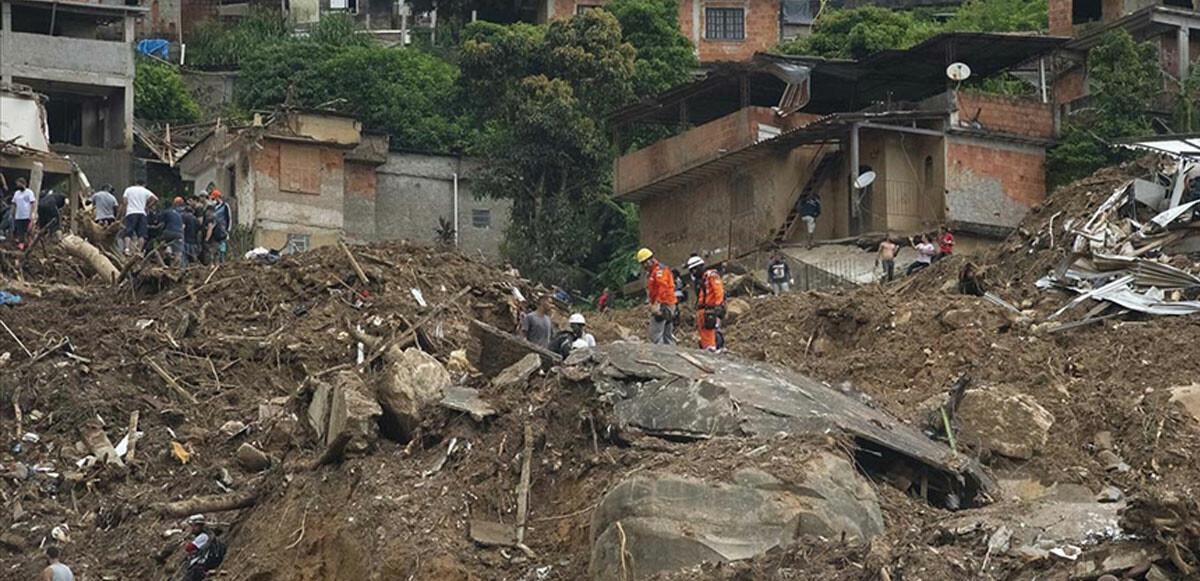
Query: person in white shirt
(583,339)
(24,212)
(925,253)
(136,201)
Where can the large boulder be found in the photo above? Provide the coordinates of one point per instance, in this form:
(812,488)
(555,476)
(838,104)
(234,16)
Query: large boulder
(414,381)
(666,522)
(735,308)
(1007,423)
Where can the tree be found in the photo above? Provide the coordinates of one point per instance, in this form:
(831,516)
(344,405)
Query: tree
(1000,16)
(218,45)
(1126,79)
(665,57)
(543,135)
(859,32)
(410,94)
(160,96)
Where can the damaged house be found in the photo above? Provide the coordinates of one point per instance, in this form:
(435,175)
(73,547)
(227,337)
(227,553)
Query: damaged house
(305,178)
(760,135)
(25,147)
(80,56)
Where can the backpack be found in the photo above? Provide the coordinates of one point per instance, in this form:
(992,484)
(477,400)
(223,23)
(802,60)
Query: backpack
(560,343)
(214,554)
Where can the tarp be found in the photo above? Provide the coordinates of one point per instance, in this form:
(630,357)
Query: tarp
(153,47)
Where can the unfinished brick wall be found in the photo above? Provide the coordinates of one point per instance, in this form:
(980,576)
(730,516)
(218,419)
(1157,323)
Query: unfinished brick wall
(1071,85)
(993,182)
(194,13)
(1007,114)
(1060,18)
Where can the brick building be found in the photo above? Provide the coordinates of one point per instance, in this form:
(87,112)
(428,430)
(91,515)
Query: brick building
(720,30)
(730,184)
(1172,25)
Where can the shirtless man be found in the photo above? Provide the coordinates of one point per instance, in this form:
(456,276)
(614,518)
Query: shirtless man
(887,256)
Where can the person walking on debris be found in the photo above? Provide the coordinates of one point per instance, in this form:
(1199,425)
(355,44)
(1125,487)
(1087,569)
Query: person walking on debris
(779,275)
(925,252)
(660,291)
(214,234)
(810,210)
(56,571)
(710,304)
(536,326)
(203,553)
(136,201)
(104,206)
(887,257)
(50,210)
(24,212)
(172,232)
(225,218)
(945,244)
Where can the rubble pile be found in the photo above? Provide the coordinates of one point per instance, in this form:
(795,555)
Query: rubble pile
(363,412)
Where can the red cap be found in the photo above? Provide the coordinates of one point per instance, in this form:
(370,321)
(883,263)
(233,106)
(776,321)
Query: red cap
(214,195)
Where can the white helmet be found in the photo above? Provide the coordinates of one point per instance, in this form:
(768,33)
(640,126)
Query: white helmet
(694,262)
(195,519)
(577,318)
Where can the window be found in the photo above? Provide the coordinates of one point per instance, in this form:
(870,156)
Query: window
(724,24)
(481,218)
(300,169)
(299,242)
(347,5)
(581,8)
(1178,3)
(1085,11)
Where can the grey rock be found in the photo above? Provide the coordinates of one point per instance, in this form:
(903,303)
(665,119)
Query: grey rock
(669,522)
(1110,494)
(518,373)
(252,458)
(465,399)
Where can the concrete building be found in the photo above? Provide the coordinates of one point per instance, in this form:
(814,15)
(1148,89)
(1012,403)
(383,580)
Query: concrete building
(25,145)
(80,56)
(307,178)
(1172,25)
(758,140)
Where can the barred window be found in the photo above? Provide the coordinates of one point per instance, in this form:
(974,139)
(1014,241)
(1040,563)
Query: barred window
(481,218)
(724,24)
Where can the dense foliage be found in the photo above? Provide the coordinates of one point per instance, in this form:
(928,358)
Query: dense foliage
(665,57)
(1126,79)
(159,95)
(219,45)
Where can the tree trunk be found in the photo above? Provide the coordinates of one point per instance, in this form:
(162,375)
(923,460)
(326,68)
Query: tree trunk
(96,260)
(210,503)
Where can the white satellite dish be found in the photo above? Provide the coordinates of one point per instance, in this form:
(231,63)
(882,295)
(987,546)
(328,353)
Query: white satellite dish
(864,179)
(958,72)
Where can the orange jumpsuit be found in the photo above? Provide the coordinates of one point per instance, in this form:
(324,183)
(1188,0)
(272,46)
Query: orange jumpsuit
(710,294)
(660,285)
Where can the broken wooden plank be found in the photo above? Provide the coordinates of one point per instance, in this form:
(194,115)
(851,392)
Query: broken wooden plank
(523,487)
(174,385)
(410,335)
(362,276)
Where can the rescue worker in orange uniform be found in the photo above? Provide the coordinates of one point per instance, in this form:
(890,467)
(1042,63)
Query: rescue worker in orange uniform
(660,288)
(710,304)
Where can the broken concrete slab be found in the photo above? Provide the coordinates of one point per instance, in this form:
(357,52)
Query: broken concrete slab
(1113,558)
(415,380)
(518,373)
(666,521)
(1045,524)
(465,399)
(493,534)
(1005,422)
(496,349)
(353,417)
(657,392)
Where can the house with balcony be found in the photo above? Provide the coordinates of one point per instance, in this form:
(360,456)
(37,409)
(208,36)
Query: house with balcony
(758,136)
(80,57)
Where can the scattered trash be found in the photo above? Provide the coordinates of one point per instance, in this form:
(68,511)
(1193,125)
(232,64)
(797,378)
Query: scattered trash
(7,298)
(416,293)
(61,533)
(31,437)
(441,461)
(180,452)
(143,324)
(1068,552)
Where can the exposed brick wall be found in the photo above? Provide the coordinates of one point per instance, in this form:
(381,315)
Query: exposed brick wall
(193,13)
(1071,85)
(992,182)
(360,180)
(1060,18)
(1007,114)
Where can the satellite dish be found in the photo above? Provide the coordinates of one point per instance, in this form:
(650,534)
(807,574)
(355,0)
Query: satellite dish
(865,179)
(958,72)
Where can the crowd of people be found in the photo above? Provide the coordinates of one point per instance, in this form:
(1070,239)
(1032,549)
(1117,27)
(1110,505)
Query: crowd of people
(186,231)
(203,552)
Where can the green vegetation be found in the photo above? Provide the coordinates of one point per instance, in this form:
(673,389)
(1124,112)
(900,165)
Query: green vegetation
(664,55)
(159,95)
(218,45)
(858,32)
(1125,77)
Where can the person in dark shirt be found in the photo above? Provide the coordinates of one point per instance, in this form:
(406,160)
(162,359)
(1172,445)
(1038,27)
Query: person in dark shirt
(172,232)
(779,274)
(214,235)
(191,232)
(49,210)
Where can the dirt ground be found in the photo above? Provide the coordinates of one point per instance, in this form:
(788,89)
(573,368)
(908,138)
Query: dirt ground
(195,350)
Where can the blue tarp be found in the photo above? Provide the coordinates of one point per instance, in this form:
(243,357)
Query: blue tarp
(7,298)
(153,47)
